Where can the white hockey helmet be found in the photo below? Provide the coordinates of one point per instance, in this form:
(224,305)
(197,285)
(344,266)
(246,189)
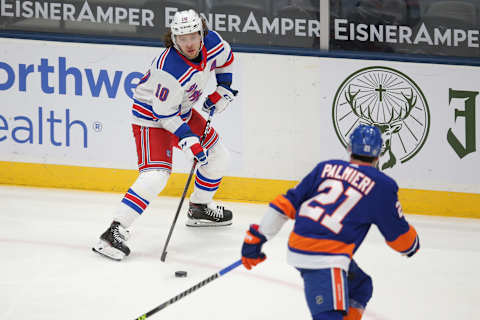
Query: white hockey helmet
(185,22)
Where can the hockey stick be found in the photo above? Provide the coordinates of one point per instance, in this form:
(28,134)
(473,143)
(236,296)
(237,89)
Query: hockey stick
(207,127)
(190,290)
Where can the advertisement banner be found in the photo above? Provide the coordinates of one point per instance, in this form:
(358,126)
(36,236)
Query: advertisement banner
(426,27)
(427,116)
(70,104)
(263,23)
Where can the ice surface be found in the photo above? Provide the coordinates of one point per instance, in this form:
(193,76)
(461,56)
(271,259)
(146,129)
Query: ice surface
(48,270)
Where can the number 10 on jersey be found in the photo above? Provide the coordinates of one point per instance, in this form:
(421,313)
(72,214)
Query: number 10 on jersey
(314,207)
(161,93)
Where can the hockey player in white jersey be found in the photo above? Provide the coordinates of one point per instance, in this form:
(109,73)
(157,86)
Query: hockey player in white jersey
(163,118)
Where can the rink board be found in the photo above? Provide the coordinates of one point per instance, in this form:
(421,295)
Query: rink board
(426,202)
(66,111)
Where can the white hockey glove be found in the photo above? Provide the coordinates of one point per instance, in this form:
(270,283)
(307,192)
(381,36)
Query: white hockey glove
(220,99)
(192,148)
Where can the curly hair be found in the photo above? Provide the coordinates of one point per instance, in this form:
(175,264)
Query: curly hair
(167,37)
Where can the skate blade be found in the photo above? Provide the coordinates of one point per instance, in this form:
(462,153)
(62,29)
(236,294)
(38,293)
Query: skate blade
(106,250)
(206,223)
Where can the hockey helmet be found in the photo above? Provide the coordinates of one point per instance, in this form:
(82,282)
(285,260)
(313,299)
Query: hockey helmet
(185,22)
(366,141)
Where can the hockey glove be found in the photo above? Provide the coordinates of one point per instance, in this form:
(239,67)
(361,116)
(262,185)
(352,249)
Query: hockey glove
(252,247)
(220,99)
(192,148)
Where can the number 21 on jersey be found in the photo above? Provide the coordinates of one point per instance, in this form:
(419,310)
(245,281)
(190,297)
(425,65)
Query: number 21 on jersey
(314,207)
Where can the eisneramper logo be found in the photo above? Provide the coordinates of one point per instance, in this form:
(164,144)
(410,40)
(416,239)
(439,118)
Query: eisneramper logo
(391,101)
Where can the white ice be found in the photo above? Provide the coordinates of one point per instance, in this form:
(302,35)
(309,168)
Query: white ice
(48,270)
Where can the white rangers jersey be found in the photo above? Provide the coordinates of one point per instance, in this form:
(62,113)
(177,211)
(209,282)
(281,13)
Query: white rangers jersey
(165,95)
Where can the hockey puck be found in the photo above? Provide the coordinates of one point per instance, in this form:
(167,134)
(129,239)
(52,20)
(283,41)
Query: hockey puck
(180,274)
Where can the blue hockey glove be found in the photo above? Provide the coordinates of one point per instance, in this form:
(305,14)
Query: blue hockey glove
(252,247)
(191,146)
(220,99)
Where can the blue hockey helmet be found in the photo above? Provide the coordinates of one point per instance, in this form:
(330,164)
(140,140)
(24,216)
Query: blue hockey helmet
(366,141)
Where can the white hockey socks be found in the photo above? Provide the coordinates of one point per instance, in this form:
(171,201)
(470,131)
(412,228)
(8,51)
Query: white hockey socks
(147,186)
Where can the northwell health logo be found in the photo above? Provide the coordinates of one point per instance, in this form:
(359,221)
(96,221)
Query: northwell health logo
(42,124)
(391,101)
(85,81)
(46,127)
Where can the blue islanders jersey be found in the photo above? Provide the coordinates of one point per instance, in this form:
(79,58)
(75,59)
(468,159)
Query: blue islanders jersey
(173,84)
(334,207)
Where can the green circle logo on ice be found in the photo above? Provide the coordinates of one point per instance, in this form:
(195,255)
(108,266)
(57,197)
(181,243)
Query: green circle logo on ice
(391,101)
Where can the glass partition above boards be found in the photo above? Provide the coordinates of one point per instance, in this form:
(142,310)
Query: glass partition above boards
(426,27)
(283,23)
(136,19)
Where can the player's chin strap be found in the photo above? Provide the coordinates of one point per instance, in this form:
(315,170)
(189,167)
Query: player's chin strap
(207,128)
(190,290)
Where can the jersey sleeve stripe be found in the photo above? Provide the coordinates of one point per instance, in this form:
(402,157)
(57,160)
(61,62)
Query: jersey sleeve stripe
(405,241)
(210,57)
(307,245)
(159,116)
(283,205)
(142,104)
(229,61)
(141,112)
(214,49)
(145,111)
(186,115)
(144,78)
(161,59)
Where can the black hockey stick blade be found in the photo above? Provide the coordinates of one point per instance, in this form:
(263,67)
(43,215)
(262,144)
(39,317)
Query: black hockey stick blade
(164,256)
(190,290)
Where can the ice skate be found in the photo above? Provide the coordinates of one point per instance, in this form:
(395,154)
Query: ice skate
(112,242)
(211,215)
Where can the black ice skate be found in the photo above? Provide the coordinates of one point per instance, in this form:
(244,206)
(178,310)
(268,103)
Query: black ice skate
(112,242)
(202,215)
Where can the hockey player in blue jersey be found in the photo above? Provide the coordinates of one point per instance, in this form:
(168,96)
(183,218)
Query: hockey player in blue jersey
(163,118)
(333,208)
